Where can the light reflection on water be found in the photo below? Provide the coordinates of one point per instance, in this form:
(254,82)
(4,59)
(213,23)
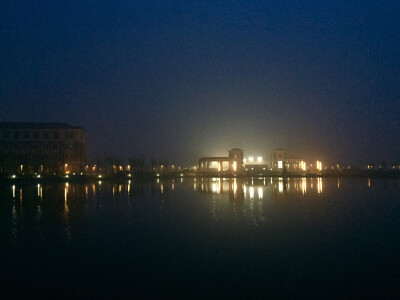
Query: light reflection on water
(254,220)
(244,199)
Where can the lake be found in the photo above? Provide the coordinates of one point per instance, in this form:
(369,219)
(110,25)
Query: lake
(201,238)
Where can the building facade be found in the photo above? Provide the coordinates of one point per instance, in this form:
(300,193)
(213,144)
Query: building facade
(281,161)
(27,148)
(231,164)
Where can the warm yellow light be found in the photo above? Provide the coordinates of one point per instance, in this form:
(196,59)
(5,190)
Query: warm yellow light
(234,165)
(280,186)
(280,164)
(251,192)
(251,158)
(319,165)
(259,159)
(319,185)
(304,185)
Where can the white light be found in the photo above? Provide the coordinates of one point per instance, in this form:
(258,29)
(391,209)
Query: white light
(99,176)
(251,192)
(280,164)
(129,175)
(251,158)
(13,176)
(259,158)
(38,176)
(260,193)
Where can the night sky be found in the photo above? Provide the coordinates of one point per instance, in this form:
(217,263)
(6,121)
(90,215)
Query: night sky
(183,79)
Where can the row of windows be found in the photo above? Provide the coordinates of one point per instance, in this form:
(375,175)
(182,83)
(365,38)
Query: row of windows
(35,135)
(54,146)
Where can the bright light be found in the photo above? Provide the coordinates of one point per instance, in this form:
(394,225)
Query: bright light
(280,164)
(260,193)
(251,158)
(251,192)
(259,158)
(280,186)
(129,175)
(38,176)
(13,176)
(319,185)
(319,165)
(99,176)
(234,165)
(244,160)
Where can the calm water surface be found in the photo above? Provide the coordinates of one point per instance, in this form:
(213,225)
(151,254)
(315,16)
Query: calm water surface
(246,238)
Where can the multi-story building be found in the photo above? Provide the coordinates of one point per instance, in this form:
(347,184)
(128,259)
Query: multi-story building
(41,148)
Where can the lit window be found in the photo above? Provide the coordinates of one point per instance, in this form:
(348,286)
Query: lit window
(280,164)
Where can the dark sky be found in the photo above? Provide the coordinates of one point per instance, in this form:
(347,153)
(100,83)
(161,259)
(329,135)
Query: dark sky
(184,79)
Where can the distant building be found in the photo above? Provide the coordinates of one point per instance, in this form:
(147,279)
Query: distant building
(255,164)
(231,164)
(42,148)
(280,160)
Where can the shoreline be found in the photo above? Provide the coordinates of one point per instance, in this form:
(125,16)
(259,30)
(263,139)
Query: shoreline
(151,177)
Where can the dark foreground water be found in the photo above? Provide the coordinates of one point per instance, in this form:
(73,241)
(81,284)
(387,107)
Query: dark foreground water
(201,238)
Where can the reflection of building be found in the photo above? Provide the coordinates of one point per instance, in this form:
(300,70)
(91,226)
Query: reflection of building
(280,160)
(231,164)
(41,147)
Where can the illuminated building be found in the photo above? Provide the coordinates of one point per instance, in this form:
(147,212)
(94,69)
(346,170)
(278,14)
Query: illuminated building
(231,164)
(255,164)
(42,147)
(281,161)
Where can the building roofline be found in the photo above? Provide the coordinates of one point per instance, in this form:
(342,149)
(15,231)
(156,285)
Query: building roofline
(215,158)
(32,125)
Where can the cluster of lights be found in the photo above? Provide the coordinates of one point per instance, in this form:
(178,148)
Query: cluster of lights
(251,159)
